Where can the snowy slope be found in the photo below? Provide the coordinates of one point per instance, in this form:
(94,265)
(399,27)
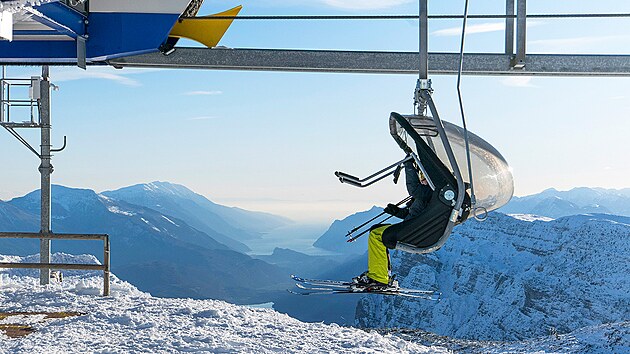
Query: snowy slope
(130,321)
(602,339)
(511,279)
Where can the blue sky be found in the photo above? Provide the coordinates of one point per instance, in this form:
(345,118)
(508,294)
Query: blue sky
(271,141)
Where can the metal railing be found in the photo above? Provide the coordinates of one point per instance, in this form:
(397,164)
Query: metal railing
(7,102)
(105,267)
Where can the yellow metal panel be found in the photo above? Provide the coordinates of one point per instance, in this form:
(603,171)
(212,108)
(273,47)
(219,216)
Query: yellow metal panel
(204,29)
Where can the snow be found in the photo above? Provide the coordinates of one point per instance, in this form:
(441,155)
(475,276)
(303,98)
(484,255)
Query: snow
(131,321)
(116,210)
(17,5)
(169,220)
(530,217)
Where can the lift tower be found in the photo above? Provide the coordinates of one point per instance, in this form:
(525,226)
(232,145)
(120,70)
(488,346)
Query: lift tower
(38,106)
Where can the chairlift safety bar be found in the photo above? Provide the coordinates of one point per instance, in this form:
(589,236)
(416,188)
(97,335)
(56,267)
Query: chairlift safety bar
(359,182)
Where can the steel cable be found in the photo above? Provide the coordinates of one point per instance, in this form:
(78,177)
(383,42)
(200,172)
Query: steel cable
(409,17)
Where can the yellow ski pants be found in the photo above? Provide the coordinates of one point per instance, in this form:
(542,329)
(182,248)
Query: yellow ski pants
(378,256)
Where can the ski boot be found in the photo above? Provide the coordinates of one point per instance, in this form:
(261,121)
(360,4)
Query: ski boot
(365,283)
(393,283)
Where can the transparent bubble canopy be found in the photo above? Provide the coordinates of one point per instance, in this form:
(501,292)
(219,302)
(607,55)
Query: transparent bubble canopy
(492,176)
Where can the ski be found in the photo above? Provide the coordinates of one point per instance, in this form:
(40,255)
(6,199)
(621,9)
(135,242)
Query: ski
(315,288)
(345,284)
(321,281)
(391,293)
(324,286)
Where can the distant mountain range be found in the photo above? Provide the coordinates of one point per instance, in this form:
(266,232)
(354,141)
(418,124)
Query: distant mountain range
(227,225)
(554,204)
(157,250)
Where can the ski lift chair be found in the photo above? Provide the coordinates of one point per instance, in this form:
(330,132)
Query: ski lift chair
(438,149)
(428,231)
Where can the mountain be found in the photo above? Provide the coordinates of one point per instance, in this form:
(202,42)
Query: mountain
(156,252)
(333,239)
(512,279)
(554,204)
(228,225)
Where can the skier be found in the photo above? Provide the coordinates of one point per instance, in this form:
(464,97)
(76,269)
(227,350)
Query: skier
(379,266)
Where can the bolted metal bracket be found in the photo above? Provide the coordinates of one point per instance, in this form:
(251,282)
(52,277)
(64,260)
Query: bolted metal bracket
(420,103)
(516,63)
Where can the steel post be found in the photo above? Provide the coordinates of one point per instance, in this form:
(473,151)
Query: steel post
(45,169)
(3,73)
(509,27)
(521,34)
(424,39)
(106,252)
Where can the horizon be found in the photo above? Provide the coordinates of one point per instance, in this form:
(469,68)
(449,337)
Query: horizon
(244,204)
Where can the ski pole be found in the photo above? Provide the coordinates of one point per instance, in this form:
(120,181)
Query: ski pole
(352,239)
(376,217)
(365,223)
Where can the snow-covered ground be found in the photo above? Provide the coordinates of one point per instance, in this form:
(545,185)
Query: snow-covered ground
(16,5)
(132,321)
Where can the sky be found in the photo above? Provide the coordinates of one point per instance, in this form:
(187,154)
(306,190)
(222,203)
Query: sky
(271,141)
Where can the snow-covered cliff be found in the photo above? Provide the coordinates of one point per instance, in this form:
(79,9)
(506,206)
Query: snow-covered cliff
(513,278)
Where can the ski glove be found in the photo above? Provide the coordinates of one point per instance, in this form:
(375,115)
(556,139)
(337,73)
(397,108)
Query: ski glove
(400,213)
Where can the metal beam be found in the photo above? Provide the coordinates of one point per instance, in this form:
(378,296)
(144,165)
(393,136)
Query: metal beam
(377,62)
(54,236)
(49,266)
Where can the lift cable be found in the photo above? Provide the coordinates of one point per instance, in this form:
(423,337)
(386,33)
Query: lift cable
(410,17)
(473,200)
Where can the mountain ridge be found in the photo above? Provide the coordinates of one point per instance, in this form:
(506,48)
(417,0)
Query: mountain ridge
(580,200)
(150,249)
(201,213)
